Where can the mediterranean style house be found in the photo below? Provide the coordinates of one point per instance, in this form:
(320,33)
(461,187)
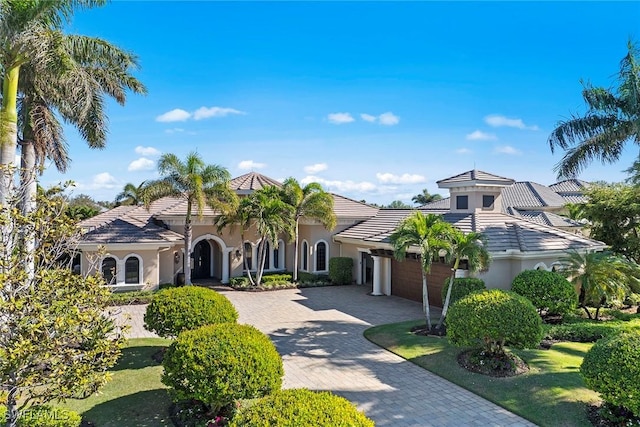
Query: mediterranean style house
(142,248)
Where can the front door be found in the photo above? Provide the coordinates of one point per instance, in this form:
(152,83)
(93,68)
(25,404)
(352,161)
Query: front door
(202,260)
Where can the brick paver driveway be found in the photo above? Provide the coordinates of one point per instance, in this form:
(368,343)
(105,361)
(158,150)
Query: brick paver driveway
(318,332)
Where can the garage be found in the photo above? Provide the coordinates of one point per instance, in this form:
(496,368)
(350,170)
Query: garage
(406,280)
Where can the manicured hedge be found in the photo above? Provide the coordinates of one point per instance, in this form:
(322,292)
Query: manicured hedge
(310,278)
(341,270)
(45,416)
(462,286)
(178,309)
(548,291)
(219,364)
(131,297)
(492,319)
(612,368)
(302,408)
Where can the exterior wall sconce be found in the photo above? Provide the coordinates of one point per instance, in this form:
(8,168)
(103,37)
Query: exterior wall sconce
(238,254)
(176,257)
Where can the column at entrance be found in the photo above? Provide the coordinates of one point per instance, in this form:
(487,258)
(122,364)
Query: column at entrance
(377,276)
(225,265)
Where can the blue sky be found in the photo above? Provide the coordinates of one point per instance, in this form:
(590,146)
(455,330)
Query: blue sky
(374,100)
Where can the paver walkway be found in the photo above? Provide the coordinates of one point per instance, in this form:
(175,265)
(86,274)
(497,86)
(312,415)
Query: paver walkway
(319,333)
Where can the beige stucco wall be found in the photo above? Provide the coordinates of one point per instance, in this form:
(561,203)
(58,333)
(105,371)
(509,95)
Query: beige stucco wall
(149,260)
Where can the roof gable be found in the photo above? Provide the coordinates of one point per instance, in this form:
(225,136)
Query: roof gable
(474,177)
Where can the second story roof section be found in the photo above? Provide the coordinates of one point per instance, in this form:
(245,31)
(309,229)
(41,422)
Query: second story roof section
(475,178)
(571,190)
(531,195)
(250,182)
(475,191)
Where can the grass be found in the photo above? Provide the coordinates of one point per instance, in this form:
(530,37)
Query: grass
(134,397)
(552,393)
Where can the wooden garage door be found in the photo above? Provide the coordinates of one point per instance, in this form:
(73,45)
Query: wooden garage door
(406,280)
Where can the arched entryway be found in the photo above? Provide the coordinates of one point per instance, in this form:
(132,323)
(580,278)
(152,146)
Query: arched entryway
(210,257)
(202,261)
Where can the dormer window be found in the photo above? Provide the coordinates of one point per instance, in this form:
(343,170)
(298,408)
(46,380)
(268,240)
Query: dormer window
(462,202)
(487,201)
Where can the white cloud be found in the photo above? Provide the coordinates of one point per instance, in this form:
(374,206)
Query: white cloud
(176,115)
(340,118)
(101,181)
(174,130)
(497,120)
(250,164)
(405,178)
(318,167)
(368,118)
(207,112)
(388,119)
(338,186)
(141,164)
(463,151)
(147,151)
(478,135)
(506,149)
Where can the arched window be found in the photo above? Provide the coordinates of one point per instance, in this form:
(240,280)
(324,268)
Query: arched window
(321,256)
(266,256)
(278,256)
(305,256)
(248,255)
(132,270)
(109,270)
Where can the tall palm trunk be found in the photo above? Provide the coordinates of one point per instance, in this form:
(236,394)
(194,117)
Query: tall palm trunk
(425,300)
(188,236)
(8,132)
(295,252)
(262,256)
(29,187)
(447,299)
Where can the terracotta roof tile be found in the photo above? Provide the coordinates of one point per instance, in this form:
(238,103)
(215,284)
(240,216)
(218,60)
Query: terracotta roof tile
(477,176)
(252,181)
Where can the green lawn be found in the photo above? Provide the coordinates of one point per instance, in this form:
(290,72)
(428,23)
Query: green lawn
(551,394)
(134,397)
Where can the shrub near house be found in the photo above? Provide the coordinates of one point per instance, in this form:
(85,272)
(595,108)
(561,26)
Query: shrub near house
(549,292)
(180,309)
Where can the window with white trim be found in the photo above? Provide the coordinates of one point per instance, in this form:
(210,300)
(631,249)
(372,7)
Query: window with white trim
(321,256)
(132,270)
(109,270)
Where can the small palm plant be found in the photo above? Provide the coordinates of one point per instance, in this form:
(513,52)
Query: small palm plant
(430,234)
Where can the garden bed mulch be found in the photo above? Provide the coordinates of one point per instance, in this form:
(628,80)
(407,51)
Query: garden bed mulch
(508,365)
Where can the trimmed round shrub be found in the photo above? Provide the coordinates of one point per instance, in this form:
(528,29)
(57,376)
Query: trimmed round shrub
(612,368)
(462,286)
(493,319)
(301,407)
(45,416)
(180,309)
(219,364)
(548,291)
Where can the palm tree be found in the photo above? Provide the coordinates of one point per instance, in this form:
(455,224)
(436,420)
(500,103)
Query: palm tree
(27,36)
(73,88)
(271,217)
(310,201)
(130,195)
(196,182)
(600,277)
(424,197)
(612,119)
(472,247)
(430,234)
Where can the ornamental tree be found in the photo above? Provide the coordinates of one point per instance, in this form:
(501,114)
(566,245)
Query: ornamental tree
(55,340)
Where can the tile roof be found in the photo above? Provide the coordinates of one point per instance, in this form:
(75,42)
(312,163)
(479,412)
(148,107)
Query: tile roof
(475,175)
(545,218)
(530,195)
(349,208)
(504,232)
(441,204)
(124,226)
(252,181)
(570,186)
